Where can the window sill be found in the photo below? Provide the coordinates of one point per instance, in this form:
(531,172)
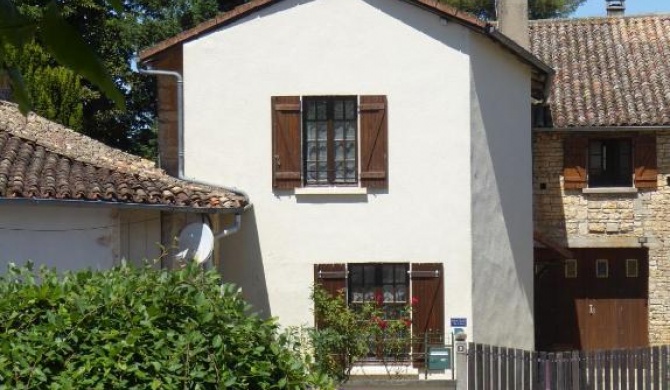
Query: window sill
(331,191)
(610,190)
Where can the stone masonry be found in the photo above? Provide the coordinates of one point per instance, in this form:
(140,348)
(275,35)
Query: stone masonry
(576,219)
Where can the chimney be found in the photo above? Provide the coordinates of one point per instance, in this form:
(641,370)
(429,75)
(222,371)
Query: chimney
(513,20)
(616,7)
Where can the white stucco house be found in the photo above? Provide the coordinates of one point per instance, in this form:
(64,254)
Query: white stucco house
(70,202)
(386,145)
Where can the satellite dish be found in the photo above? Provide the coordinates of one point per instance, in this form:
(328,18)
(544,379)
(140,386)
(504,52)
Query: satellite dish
(196,241)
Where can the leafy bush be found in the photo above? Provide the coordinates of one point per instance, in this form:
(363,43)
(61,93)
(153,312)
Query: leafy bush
(130,328)
(345,335)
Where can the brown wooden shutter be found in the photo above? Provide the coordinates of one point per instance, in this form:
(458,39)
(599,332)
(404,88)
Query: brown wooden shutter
(333,278)
(574,162)
(286,135)
(374,141)
(428,316)
(646,170)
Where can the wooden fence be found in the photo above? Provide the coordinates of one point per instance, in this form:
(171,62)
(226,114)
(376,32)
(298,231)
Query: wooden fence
(494,368)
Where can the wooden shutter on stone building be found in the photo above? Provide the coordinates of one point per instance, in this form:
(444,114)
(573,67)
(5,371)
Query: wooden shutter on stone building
(286,136)
(646,170)
(428,316)
(374,141)
(574,162)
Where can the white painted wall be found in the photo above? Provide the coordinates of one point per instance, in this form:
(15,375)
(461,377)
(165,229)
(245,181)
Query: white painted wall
(317,47)
(140,236)
(502,228)
(72,238)
(67,238)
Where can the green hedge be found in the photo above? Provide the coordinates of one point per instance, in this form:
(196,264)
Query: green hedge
(130,328)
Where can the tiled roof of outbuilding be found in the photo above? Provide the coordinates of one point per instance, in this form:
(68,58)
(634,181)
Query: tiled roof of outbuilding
(40,159)
(610,71)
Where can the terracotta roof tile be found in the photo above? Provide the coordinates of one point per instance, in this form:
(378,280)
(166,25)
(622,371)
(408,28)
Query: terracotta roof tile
(40,159)
(612,71)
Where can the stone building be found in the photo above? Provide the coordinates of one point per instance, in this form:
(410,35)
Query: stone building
(601,170)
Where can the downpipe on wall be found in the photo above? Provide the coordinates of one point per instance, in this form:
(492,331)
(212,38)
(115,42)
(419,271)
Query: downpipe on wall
(235,227)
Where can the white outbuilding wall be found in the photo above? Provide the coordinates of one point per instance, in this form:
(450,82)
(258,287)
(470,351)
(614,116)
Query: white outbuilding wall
(75,237)
(441,82)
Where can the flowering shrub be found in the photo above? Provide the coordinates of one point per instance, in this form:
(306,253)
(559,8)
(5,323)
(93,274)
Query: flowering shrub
(347,334)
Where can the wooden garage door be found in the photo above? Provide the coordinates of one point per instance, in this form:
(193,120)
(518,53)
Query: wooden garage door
(598,300)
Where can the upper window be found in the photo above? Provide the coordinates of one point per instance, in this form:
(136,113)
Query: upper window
(329,141)
(610,163)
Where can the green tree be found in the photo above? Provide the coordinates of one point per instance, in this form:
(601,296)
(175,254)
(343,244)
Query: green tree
(116,34)
(59,40)
(537,9)
(55,91)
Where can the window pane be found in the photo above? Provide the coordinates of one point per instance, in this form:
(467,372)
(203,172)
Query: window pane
(401,293)
(350,109)
(311,151)
(351,130)
(323,151)
(321,111)
(311,111)
(351,150)
(311,172)
(339,131)
(311,131)
(339,152)
(356,276)
(387,274)
(339,171)
(595,157)
(339,109)
(322,128)
(369,274)
(323,173)
(388,293)
(400,273)
(351,168)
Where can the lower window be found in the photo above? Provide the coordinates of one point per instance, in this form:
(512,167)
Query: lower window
(406,301)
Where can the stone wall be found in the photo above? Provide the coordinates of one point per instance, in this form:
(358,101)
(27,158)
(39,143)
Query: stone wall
(582,220)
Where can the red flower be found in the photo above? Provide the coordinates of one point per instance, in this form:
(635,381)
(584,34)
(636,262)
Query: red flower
(382,324)
(408,322)
(415,301)
(379,297)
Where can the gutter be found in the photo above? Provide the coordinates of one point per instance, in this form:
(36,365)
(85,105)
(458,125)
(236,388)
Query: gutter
(598,129)
(120,205)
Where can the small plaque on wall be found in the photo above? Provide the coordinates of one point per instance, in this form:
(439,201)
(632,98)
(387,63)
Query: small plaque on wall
(459,322)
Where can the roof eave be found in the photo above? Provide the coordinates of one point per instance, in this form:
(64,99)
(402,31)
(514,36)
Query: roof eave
(123,205)
(453,14)
(598,129)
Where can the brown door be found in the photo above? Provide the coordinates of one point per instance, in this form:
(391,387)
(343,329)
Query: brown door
(596,301)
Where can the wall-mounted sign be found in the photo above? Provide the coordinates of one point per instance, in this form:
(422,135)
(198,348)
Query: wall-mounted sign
(459,322)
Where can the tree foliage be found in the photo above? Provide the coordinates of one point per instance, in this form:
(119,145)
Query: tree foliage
(56,92)
(130,328)
(116,34)
(537,9)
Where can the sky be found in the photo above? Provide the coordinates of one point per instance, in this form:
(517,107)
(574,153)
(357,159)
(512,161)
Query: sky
(633,7)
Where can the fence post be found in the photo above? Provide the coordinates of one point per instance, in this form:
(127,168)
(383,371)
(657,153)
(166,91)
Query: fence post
(461,362)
